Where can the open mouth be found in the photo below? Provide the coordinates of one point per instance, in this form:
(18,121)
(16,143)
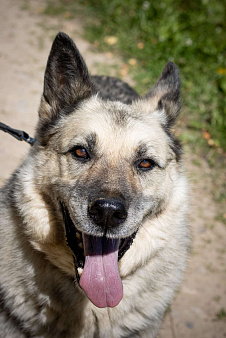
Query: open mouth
(96,263)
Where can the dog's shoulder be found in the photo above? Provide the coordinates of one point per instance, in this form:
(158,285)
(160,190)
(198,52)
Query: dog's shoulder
(114,89)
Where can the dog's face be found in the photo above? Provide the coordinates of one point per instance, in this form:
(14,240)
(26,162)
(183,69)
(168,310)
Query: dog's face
(104,163)
(110,165)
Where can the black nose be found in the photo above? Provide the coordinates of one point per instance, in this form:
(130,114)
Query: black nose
(107,212)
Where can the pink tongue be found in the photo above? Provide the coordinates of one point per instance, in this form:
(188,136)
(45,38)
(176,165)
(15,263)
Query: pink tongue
(100,278)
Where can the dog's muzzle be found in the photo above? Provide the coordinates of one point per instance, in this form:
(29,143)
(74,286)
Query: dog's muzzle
(96,258)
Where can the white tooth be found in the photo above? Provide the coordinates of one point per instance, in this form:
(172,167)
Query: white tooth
(80,245)
(80,271)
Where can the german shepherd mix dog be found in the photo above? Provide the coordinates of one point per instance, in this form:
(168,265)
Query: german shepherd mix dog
(94,238)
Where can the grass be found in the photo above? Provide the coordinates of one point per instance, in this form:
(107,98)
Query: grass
(221,218)
(190,33)
(221,315)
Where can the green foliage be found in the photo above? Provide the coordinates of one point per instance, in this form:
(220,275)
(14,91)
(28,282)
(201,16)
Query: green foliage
(190,33)
(221,315)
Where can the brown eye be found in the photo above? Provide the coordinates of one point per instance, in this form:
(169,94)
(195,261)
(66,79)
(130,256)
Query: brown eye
(80,153)
(146,165)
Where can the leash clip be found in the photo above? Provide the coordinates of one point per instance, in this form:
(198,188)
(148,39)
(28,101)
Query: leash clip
(25,137)
(18,134)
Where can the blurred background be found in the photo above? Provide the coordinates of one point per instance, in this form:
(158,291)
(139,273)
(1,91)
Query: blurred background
(133,40)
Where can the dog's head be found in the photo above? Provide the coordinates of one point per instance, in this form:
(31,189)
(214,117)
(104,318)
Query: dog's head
(109,165)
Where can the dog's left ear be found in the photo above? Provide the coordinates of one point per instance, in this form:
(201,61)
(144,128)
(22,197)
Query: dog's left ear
(165,95)
(66,79)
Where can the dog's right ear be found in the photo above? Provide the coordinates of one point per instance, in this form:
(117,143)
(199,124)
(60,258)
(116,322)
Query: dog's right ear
(66,81)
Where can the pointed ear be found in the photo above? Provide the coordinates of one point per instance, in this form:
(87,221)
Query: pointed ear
(66,79)
(165,95)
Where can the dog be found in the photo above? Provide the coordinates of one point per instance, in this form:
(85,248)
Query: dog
(94,237)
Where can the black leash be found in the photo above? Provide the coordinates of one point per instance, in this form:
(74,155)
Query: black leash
(18,134)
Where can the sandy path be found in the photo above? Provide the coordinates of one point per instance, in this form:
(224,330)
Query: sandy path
(25,41)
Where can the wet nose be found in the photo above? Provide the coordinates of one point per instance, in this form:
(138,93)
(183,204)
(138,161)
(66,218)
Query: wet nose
(107,212)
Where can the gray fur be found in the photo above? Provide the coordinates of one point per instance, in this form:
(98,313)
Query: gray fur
(39,294)
(114,89)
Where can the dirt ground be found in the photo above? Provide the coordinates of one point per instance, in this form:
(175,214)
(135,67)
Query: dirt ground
(25,40)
